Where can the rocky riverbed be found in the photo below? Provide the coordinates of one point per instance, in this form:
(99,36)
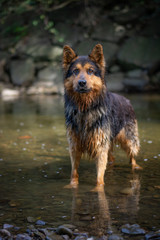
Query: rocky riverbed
(31,64)
(41,230)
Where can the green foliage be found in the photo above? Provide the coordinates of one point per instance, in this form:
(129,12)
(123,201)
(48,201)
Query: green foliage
(15,29)
(11,8)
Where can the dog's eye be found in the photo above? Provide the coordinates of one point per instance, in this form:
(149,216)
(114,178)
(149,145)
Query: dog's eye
(76,71)
(90,71)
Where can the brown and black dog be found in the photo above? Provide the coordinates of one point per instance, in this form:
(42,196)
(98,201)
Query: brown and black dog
(95,117)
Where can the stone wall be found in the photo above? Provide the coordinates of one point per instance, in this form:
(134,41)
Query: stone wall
(130,38)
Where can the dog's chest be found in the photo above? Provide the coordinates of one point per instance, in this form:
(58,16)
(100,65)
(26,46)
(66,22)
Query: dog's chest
(86,122)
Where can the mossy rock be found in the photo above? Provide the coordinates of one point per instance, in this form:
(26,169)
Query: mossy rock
(139,51)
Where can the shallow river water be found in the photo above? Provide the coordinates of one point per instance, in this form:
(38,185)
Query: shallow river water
(35,167)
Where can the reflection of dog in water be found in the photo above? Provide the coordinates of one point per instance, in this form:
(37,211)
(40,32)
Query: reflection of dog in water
(95,117)
(99,214)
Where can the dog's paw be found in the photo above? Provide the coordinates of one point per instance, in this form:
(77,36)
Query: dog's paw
(71,185)
(136,167)
(98,188)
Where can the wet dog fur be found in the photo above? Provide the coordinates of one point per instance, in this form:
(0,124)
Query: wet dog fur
(95,118)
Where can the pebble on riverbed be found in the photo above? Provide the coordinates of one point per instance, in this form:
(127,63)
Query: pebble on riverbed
(132,229)
(68,232)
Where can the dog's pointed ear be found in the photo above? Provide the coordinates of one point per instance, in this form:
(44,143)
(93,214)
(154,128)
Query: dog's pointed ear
(68,56)
(97,55)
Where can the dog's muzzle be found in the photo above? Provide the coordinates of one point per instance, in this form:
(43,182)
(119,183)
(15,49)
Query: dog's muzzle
(82,86)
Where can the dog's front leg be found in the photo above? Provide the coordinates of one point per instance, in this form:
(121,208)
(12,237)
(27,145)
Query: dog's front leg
(101,163)
(75,156)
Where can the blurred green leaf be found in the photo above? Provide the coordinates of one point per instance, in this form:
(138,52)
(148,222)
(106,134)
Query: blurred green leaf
(35,22)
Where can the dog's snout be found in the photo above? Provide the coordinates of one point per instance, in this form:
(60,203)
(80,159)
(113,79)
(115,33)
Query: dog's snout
(82,83)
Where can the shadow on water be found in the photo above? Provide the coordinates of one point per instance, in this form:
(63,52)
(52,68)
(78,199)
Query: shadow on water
(35,167)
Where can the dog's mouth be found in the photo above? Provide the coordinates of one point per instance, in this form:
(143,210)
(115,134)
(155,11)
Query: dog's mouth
(83,90)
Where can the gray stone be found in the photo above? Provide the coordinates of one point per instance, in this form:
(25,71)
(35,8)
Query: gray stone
(115,82)
(136,80)
(45,52)
(31,219)
(134,73)
(81,237)
(23,236)
(110,49)
(132,229)
(135,84)
(7,93)
(5,233)
(139,51)
(50,73)
(39,47)
(152,235)
(49,81)
(40,222)
(109,31)
(22,72)
(62,230)
(115,237)
(70,226)
(114,69)
(6,226)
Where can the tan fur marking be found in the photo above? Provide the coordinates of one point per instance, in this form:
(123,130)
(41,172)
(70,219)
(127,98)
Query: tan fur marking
(131,146)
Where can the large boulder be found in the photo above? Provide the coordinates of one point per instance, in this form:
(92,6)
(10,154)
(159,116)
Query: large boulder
(22,72)
(109,31)
(39,48)
(139,51)
(115,82)
(49,81)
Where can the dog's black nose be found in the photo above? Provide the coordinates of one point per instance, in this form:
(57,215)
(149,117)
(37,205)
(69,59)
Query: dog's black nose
(82,83)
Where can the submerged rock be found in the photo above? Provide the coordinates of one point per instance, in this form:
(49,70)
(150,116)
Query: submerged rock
(40,222)
(81,237)
(62,230)
(4,233)
(6,226)
(31,219)
(70,226)
(115,237)
(132,229)
(23,236)
(152,235)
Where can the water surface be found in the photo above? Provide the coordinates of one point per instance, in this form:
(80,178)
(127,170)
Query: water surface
(35,167)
